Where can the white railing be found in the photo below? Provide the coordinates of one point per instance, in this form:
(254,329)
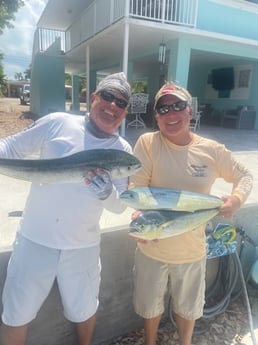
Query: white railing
(101,14)
(45,38)
(180,12)
(98,16)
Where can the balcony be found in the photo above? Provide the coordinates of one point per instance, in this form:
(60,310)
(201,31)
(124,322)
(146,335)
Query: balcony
(166,11)
(101,14)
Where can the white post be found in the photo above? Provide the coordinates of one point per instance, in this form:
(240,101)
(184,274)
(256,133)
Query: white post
(88,77)
(125,63)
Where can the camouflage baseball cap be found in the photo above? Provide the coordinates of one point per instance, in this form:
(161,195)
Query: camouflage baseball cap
(116,82)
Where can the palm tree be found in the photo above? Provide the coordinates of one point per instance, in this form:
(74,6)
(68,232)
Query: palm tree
(18,76)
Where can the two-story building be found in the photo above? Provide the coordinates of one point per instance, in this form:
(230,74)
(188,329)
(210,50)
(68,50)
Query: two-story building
(208,46)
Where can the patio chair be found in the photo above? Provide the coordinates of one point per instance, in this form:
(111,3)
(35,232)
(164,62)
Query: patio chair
(195,122)
(138,106)
(241,117)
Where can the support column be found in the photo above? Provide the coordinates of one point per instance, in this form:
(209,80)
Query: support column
(125,65)
(88,77)
(179,61)
(75,93)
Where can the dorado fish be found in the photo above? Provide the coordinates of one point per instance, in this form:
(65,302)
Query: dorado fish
(152,198)
(159,224)
(72,168)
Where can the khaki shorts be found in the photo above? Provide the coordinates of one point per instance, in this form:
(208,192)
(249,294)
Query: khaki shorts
(185,283)
(32,271)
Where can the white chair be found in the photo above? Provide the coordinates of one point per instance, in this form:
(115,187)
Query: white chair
(195,122)
(138,106)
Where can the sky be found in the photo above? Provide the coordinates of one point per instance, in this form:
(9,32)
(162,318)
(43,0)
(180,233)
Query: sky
(16,44)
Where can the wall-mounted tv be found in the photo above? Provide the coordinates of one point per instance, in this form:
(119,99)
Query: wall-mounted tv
(223,78)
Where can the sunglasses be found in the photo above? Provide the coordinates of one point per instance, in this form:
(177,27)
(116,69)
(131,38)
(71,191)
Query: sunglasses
(109,97)
(177,106)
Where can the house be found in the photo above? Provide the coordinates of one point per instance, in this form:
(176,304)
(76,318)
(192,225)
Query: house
(14,87)
(208,46)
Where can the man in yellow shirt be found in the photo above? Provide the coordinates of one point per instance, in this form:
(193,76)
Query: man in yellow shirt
(175,157)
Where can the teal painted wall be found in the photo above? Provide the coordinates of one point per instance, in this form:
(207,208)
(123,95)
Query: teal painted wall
(179,59)
(226,19)
(47,84)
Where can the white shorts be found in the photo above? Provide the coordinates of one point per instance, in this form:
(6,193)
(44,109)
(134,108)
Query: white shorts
(31,272)
(185,283)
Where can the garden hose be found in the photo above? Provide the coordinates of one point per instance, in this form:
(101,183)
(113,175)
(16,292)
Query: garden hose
(229,273)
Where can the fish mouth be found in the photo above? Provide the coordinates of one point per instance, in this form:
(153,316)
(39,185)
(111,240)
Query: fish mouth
(131,169)
(137,167)
(126,195)
(134,233)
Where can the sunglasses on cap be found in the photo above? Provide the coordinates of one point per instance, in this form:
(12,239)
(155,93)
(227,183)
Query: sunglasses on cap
(177,106)
(109,97)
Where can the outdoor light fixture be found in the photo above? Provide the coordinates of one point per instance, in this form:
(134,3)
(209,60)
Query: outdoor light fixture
(162,53)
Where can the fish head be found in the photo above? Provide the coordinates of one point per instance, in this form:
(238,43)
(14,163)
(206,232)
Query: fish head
(151,234)
(138,197)
(126,165)
(146,225)
(130,198)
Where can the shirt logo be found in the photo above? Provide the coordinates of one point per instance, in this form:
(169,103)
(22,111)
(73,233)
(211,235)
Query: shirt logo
(199,170)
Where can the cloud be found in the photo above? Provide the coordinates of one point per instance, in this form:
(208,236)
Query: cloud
(16,44)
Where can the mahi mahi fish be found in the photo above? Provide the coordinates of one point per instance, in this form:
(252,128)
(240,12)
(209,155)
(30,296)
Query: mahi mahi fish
(72,168)
(159,224)
(153,198)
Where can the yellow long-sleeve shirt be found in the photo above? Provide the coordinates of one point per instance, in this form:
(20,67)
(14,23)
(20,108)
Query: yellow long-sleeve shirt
(193,167)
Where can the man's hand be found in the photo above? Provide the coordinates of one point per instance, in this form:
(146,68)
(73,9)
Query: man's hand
(230,205)
(99,183)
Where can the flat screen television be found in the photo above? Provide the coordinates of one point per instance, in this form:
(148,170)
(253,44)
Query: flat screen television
(223,78)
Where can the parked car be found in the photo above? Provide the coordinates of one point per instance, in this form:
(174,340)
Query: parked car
(82,97)
(25,94)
